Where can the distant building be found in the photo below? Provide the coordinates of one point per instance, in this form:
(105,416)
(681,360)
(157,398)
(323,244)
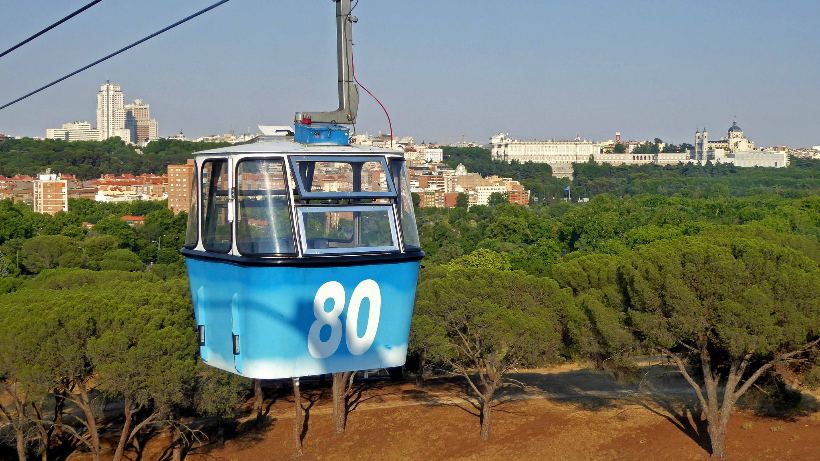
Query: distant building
(180,182)
(139,122)
(74,131)
(129,188)
(560,155)
(50,194)
(660,158)
(382,140)
(735,149)
(483,193)
(133,221)
(440,188)
(18,188)
(433,154)
(418,154)
(111,113)
(431,199)
(227,137)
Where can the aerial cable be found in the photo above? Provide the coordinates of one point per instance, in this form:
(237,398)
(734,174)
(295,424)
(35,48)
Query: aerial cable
(389,122)
(49,27)
(355,79)
(121,50)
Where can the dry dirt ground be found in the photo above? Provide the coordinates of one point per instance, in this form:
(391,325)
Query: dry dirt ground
(567,414)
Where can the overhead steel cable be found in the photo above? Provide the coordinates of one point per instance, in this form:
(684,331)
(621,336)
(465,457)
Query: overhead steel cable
(49,27)
(121,50)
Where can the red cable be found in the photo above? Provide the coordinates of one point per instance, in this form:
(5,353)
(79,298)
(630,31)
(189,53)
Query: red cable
(389,122)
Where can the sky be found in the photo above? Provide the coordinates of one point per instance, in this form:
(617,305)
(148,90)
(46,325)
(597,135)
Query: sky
(446,69)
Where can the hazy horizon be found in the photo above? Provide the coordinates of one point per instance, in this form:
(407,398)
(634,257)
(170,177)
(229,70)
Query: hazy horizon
(445,70)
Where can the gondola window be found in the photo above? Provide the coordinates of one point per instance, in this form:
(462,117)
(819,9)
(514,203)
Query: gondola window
(216,227)
(192,231)
(347,229)
(263,215)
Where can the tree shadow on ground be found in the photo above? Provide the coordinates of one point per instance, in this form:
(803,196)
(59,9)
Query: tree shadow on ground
(312,397)
(681,409)
(357,394)
(657,388)
(774,398)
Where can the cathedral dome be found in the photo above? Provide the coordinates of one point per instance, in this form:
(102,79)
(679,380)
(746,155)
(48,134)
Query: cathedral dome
(735,128)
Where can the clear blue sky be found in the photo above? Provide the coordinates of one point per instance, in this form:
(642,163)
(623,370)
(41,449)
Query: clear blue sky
(445,68)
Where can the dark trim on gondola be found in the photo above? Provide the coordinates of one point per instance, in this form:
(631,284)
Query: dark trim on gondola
(307,261)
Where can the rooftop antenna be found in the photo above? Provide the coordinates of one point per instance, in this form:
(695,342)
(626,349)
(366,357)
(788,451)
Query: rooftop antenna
(348,108)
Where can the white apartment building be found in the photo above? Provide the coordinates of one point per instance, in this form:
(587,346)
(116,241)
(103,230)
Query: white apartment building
(433,154)
(483,193)
(74,131)
(111,113)
(560,155)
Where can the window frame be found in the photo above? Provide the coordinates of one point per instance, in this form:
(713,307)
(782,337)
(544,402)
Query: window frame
(195,193)
(237,194)
(201,213)
(308,195)
(302,209)
(400,176)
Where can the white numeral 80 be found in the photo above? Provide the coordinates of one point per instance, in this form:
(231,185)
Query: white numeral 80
(355,344)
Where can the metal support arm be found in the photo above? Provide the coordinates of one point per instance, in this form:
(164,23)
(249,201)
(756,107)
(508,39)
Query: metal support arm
(348,92)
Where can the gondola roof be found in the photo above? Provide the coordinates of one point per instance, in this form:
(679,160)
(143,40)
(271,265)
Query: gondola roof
(292,147)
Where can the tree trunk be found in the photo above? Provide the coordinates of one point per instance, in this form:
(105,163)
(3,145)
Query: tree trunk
(19,426)
(420,371)
(486,411)
(714,410)
(20,436)
(126,429)
(297,421)
(90,420)
(176,451)
(259,402)
(339,401)
(45,437)
(220,430)
(717,439)
(59,406)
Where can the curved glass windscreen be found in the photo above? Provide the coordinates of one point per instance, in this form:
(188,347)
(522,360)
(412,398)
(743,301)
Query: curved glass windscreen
(263,215)
(350,177)
(409,230)
(216,226)
(348,229)
(192,231)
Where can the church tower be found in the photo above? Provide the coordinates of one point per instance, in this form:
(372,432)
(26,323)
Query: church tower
(701,146)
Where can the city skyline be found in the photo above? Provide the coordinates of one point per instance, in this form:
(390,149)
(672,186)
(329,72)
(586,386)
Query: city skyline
(642,69)
(130,122)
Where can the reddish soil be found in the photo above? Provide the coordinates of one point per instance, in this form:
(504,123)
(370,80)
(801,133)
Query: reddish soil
(396,424)
(566,413)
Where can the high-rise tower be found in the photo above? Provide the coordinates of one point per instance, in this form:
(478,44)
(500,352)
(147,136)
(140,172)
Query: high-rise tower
(138,120)
(111,113)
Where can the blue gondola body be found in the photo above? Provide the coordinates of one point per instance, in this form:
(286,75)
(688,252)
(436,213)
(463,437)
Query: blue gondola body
(270,310)
(302,259)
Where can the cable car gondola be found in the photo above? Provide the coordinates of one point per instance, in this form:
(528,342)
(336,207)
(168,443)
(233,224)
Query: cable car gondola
(303,254)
